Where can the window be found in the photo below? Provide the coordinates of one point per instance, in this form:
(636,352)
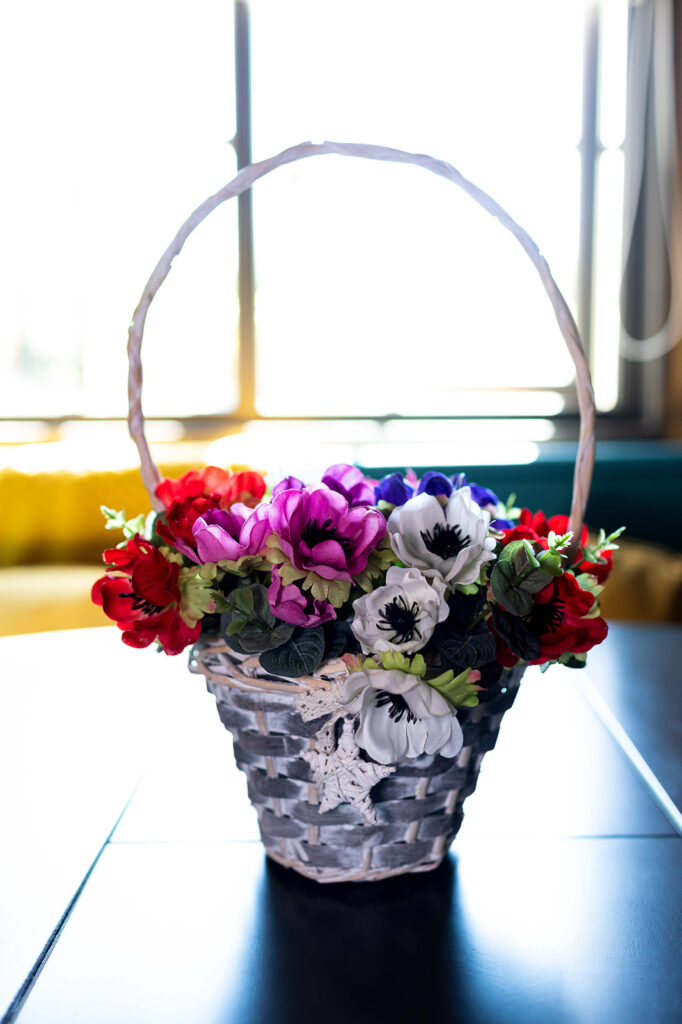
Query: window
(384,280)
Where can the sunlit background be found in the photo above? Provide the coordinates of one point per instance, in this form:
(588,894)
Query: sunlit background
(380,290)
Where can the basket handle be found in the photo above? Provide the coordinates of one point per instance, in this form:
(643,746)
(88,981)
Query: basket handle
(584,465)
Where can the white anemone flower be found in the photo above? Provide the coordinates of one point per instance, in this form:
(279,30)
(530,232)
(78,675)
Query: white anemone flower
(400,715)
(402,615)
(450,540)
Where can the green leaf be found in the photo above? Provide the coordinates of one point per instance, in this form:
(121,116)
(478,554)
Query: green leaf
(338,639)
(593,553)
(248,618)
(551,564)
(505,591)
(516,634)
(232,639)
(518,573)
(221,603)
(301,655)
(537,579)
(506,509)
(459,649)
(114,520)
(573,660)
(136,525)
(415,666)
(256,640)
(243,600)
(117,521)
(459,691)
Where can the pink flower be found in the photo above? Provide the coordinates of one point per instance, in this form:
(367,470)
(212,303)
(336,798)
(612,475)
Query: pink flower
(292,605)
(289,483)
(228,536)
(319,533)
(349,482)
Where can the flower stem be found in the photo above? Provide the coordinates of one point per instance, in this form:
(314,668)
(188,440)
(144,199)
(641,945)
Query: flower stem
(479,618)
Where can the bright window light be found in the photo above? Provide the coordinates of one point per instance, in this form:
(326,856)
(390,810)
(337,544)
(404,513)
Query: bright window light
(381,290)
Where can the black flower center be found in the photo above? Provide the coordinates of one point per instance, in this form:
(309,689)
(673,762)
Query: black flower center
(445,541)
(546,618)
(314,533)
(141,604)
(401,619)
(398,705)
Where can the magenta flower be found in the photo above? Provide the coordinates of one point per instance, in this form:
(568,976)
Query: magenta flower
(292,605)
(319,539)
(349,481)
(228,536)
(290,483)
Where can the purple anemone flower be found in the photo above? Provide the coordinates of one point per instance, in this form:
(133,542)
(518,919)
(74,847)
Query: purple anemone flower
(318,532)
(290,604)
(393,489)
(349,481)
(228,536)
(290,483)
(435,484)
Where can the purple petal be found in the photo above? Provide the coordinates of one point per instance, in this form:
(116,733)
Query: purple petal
(329,552)
(435,484)
(394,489)
(349,482)
(290,483)
(214,545)
(483,496)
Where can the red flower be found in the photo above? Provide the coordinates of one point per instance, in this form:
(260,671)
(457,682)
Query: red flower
(558,621)
(198,492)
(535,526)
(143,598)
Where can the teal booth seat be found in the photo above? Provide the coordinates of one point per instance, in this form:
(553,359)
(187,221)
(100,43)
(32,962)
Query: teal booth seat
(637,484)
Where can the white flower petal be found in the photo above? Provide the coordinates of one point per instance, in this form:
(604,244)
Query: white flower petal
(384,739)
(418,721)
(391,680)
(454,744)
(425,701)
(417,737)
(354,686)
(409,601)
(440,734)
(422,531)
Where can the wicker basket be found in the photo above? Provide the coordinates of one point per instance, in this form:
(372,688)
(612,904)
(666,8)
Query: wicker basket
(417,809)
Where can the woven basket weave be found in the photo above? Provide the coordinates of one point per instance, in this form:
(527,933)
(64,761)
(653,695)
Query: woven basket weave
(419,806)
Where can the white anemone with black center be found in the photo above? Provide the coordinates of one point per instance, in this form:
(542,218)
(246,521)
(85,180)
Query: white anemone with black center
(400,716)
(449,540)
(402,615)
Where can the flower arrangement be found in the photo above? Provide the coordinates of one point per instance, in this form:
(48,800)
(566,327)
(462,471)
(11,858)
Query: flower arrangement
(426,589)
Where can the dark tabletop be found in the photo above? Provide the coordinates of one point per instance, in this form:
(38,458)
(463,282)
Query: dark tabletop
(133,887)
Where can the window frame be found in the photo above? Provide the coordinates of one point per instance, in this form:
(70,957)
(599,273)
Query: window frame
(640,409)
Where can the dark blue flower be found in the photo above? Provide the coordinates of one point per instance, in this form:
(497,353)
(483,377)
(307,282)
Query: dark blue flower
(393,489)
(483,496)
(435,484)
